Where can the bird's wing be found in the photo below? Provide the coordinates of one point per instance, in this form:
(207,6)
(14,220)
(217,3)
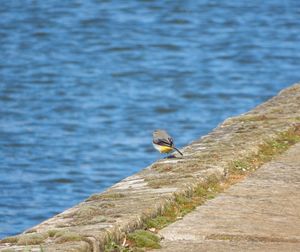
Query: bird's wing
(164,142)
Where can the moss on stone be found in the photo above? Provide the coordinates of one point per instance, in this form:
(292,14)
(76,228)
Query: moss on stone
(60,233)
(159,221)
(184,204)
(67,236)
(112,196)
(266,152)
(88,212)
(111,246)
(240,165)
(53,232)
(144,239)
(31,239)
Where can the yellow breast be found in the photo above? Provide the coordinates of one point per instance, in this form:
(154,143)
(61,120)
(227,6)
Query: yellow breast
(164,149)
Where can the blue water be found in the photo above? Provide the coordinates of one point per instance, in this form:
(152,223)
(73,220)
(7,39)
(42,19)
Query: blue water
(84,83)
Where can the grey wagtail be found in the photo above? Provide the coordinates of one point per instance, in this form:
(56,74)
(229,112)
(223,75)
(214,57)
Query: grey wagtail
(163,142)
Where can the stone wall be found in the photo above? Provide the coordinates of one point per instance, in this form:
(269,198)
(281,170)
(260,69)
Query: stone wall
(124,207)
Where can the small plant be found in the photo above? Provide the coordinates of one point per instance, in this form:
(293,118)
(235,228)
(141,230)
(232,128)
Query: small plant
(114,247)
(240,165)
(144,239)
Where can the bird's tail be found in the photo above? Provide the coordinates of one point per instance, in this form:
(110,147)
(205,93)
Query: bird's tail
(178,151)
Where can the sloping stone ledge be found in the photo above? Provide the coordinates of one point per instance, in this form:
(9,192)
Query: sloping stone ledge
(124,207)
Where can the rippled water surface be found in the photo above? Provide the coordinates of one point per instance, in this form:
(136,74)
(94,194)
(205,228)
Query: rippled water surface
(84,83)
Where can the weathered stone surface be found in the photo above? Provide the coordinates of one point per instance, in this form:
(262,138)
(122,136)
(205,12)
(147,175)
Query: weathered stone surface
(261,213)
(232,246)
(124,207)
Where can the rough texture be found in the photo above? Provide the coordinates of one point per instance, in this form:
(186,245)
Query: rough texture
(124,207)
(261,213)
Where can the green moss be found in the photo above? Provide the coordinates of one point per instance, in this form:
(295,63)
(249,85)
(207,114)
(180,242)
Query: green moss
(67,236)
(53,232)
(144,239)
(184,204)
(112,196)
(266,152)
(240,165)
(158,222)
(111,246)
(60,233)
(31,239)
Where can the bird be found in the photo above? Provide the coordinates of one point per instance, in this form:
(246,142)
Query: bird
(163,142)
